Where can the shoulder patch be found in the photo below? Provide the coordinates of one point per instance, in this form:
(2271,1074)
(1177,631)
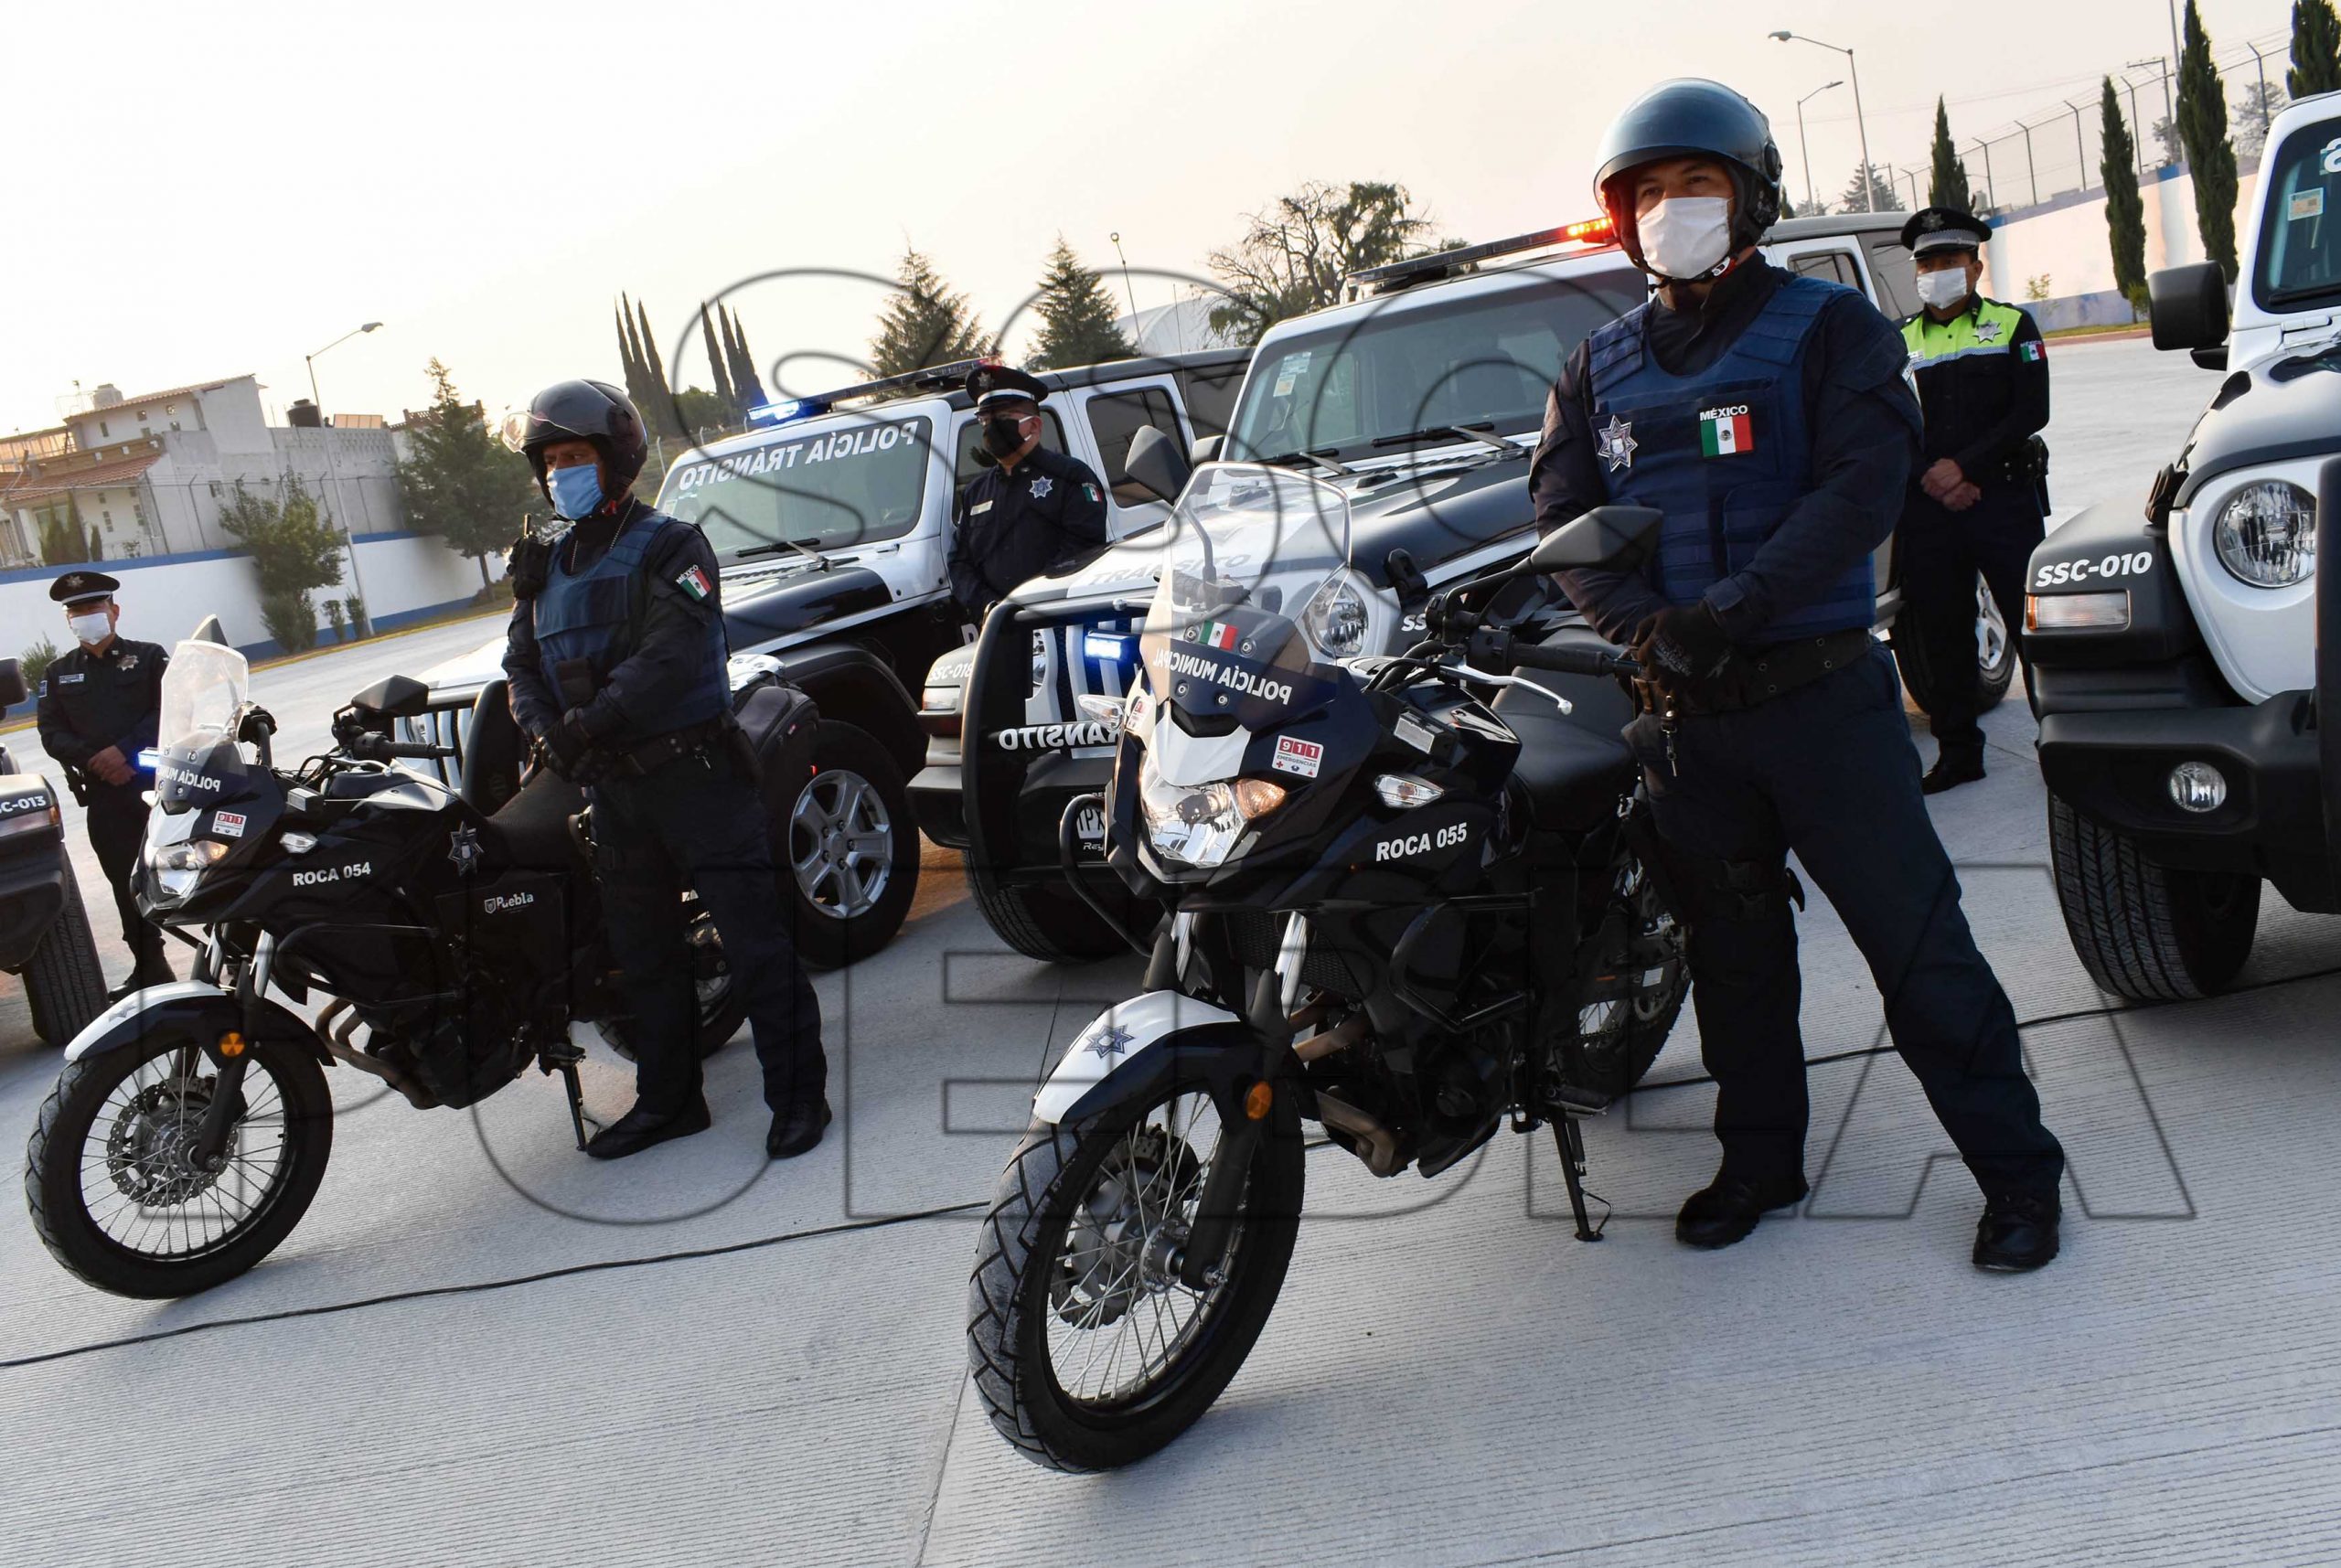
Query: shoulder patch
(1091,491)
(694,583)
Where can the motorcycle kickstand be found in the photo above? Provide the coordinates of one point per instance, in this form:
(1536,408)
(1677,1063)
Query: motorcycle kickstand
(1569,1139)
(564,1062)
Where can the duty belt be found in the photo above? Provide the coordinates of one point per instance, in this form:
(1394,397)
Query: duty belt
(1756,676)
(633,761)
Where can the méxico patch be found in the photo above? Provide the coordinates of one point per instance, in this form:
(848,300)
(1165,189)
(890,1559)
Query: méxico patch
(694,583)
(1724,432)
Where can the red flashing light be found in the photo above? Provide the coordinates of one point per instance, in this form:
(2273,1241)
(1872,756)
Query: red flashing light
(1591,231)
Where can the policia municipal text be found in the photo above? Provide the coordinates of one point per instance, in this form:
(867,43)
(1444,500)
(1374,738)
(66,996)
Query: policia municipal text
(1771,719)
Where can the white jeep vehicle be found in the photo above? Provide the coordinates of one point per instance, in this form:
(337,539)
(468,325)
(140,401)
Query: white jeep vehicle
(2184,657)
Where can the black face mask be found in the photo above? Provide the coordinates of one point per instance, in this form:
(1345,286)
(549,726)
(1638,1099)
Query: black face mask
(1003,434)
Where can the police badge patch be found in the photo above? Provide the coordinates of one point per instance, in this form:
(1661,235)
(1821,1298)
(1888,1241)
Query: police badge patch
(462,849)
(1987,332)
(1041,486)
(129,661)
(1618,445)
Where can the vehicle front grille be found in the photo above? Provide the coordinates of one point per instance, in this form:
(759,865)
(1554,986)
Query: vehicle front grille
(1256,936)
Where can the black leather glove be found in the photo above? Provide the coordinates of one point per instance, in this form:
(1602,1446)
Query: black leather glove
(568,751)
(526,563)
(1682,646)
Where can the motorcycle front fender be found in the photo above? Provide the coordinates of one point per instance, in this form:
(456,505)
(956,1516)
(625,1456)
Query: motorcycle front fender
(1134,1046)
(190,1007)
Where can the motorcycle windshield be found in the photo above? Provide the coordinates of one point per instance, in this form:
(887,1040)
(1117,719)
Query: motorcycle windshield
(198,762)
(1254,599)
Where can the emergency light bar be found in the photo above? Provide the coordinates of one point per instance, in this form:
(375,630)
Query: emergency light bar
(934,378)
(1589,231)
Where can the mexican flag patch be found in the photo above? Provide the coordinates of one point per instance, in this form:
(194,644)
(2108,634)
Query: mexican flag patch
(1726,432)
(1217,635)
(2033,353)
(694,583)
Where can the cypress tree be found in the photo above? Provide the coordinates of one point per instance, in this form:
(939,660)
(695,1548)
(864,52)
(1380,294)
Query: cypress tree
(1076,312)
(1947,186)
(2125,209)
(715,364)
(2317,49)
(660,413)
(924,322)
(630,354)
(744,379)
(2210,155)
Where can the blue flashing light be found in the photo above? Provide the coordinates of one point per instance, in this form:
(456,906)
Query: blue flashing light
(782,412)
(147,759)
(1106,645)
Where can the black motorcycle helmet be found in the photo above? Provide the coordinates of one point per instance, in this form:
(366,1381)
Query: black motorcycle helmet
(582,411)
(1691,117)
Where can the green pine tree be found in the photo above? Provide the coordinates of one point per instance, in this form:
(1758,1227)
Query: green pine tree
(2317,49)
(461,483)
(660,413)
(924,322)
(2210,155)
(2125,209)
(630,354)
(716,367)
(745,382)
(1947,184)
(1076,312)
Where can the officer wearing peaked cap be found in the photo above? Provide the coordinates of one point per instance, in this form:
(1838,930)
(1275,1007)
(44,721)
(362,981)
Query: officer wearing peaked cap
(1033,509)
(99,704)
(1975,503)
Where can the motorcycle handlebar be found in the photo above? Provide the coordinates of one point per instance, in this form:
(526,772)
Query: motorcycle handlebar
(382,748)
(1573,661)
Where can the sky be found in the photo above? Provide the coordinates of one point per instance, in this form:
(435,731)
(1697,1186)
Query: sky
(198,192)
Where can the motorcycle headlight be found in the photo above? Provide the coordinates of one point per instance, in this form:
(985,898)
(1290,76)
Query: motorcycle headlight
(1337,619)
(177,867)
(2266,534)
(1198,824)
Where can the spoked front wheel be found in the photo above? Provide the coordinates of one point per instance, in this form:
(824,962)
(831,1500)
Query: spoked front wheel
(119,1194)
(1086,1346)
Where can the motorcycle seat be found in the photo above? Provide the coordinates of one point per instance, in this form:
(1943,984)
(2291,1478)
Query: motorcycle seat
(531,830)
(1574,775)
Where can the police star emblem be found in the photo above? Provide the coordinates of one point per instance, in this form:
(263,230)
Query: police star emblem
(1987,332)
(1618,445)
(462,849)
(1041,486)
(1111,1042)
(129,661)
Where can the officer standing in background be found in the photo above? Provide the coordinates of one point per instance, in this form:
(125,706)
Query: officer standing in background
(1033,509)
(98,703)
(616,659)
(1765,415)
(1975,503)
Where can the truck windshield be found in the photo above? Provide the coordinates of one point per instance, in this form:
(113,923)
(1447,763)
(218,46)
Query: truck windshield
(2300,228)
(848,481)
(1482,358)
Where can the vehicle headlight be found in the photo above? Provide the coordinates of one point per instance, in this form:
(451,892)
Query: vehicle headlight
(1199,824)
(1334,619)
(177,867)
(939,700)
(2266,534)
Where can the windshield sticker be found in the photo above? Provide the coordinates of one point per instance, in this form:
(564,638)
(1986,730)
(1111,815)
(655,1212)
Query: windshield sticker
(1288,374)
(831,446)
(2306,204)
(1298,756)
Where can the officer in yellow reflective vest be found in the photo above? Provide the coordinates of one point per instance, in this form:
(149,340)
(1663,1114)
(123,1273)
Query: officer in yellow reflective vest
(1978,496)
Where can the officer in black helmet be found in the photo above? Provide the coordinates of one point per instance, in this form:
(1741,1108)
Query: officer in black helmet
(1035,508)
(1766,416)
(617,664)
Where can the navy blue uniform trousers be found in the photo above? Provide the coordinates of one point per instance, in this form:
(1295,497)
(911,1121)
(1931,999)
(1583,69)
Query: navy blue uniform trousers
(1828,771)
(1942,552)
(701,823)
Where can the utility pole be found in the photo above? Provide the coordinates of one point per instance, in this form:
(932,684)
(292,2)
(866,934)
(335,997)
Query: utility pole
(2080,142)
(1991,185)
(2262,61)
(2031,169)
(1869,194)
(2137,131)
(1812,204)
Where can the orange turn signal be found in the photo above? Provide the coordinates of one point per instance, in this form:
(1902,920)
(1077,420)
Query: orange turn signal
(231,1044)
(1258,1099)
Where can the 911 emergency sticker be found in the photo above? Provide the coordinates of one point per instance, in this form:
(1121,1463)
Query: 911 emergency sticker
(2136,564)
(227,824)
(1298,756)
(694,583)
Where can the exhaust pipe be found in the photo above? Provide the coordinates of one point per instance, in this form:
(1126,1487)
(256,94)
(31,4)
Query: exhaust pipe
(1376,1144)
(340,1040)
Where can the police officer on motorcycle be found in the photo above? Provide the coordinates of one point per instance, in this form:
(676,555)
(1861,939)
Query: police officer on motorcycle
(617,666)
(1765,414)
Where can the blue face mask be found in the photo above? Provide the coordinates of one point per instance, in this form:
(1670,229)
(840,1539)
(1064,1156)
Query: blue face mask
(576,491)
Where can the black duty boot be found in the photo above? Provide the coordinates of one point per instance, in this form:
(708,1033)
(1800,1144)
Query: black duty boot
(2018,1233)
(798,1129)
(1952,770)
(639,1129)
(1727,1209)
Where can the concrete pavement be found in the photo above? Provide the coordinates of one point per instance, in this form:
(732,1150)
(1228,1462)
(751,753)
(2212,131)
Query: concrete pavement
(1449,1378)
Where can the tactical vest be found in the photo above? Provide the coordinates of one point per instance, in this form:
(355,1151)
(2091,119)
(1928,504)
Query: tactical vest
(1933,342)
(1724,454)
(596,616)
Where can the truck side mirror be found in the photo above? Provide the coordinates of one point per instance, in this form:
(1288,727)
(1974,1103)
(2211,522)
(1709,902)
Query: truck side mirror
(1609,539)
(2190,306)
(393,697)
(1205,450)
(12,683)
(1157,464)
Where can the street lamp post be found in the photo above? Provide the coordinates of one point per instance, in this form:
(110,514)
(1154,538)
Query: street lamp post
(364,625)
(1811,204)
(2262,61)
(1869,193)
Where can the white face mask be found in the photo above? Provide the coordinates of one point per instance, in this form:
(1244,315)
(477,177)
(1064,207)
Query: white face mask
(1686,236)
(1943,289)
(92,628)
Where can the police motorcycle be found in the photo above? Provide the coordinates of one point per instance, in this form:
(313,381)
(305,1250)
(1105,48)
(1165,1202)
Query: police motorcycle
(1393,904)
(454,949)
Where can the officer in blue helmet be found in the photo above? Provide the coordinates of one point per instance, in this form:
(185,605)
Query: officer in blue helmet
(617,664)
(1766,414)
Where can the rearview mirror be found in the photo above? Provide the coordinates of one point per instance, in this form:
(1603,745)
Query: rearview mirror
(1157,464)
(394,697)
(12,683)
(2190,306)
(1608,538)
